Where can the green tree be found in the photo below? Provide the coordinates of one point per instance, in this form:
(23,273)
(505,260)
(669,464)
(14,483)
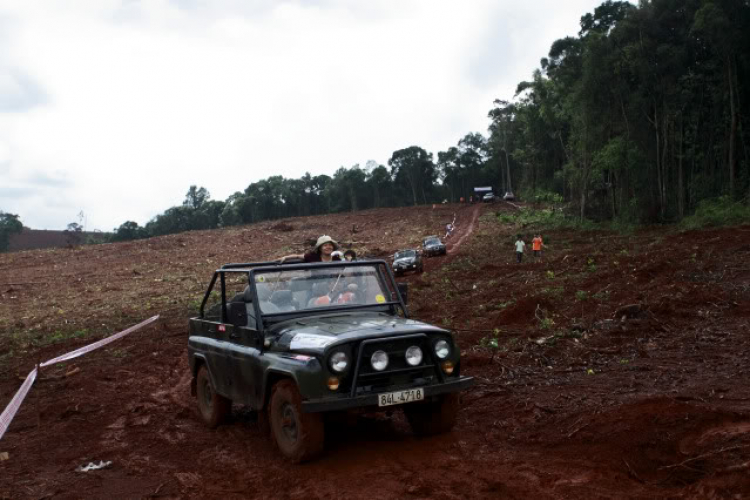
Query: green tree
(196,197)
(127,231)
(9,224)
(379,181)
(413,166)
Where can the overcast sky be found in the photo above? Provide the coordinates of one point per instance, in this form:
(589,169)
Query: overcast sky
(114,108)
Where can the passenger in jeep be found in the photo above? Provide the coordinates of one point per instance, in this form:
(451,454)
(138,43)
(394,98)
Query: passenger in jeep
(323,252)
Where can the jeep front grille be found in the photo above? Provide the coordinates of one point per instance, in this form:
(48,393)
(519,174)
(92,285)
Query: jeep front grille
(398,372)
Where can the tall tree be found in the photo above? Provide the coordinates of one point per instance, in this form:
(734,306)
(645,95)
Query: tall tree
(10,224)
(196,197)
(415,166)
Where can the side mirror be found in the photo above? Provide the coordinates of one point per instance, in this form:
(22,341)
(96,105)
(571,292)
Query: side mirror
(403,289)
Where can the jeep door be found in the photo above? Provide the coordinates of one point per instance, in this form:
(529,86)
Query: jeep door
(208,341)
(245,365)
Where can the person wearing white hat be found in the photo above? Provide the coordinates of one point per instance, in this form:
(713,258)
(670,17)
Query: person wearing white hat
(323,252)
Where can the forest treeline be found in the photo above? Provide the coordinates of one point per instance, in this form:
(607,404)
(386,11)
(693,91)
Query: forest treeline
(641,117)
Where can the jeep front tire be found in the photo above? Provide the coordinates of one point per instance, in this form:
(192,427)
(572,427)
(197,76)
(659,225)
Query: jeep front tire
(299,436)
(213,407)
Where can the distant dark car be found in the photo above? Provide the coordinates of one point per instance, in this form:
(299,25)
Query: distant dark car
(300,340)
(432,246)
(509,196)
(407,260)
(488,198)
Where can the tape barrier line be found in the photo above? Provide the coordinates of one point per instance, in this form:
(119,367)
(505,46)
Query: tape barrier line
(7,417)
(10,411)
(98,344)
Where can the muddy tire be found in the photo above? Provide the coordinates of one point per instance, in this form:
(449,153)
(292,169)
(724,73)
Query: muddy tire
(264,425)
(428,419)
(213,408)
(298,435)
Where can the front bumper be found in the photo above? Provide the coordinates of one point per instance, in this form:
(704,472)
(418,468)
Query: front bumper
(344,403)
(405,267)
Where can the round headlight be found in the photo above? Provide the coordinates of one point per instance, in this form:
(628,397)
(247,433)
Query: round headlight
(442,349)
(339,361)
(414,355)
(379,360)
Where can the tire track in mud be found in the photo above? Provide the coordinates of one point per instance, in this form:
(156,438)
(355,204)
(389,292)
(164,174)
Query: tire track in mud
(452,247)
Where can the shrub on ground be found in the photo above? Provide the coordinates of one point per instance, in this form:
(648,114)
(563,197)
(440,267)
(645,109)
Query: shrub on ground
(722,211)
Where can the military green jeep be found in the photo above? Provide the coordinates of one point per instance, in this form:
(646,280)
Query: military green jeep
(295,341)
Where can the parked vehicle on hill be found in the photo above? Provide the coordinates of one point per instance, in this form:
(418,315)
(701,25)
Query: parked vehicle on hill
(300,340)
(508,196)
(432,246)
(405,261)
(488,198)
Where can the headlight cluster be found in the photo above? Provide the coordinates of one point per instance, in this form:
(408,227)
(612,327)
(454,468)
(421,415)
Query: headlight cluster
(379,360)
(414,355)
(442,349)
(339,361)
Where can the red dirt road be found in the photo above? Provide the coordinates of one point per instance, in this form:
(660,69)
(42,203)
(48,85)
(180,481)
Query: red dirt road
(577,396)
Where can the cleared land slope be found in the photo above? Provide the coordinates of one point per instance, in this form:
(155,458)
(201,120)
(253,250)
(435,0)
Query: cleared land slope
(615,368)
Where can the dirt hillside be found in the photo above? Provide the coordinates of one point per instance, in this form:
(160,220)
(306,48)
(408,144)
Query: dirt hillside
(617,366)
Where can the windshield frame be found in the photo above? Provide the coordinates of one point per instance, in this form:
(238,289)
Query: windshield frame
(264,320)
(400,254)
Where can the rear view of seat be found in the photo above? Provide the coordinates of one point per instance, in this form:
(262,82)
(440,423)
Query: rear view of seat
(283,300)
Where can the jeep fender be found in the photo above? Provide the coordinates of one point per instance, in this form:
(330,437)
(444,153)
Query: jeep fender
(198,361)
(270,377)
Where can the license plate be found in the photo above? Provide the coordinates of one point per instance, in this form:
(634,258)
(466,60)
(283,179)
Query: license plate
(400,397)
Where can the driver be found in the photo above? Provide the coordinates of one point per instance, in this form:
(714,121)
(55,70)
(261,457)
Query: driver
(325,294)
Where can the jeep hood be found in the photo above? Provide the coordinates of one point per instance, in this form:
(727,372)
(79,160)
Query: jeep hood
(316,334)
(404,260)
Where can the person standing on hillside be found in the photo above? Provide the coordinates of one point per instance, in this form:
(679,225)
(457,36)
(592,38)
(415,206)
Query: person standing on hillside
(323,252)
(520,246)
(536,245)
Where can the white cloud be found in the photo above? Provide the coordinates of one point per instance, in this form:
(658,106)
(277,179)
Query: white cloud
(121,106)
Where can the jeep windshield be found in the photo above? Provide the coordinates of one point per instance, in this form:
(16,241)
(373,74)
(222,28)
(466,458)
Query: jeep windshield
(406,254)
(432,242)
(313,288)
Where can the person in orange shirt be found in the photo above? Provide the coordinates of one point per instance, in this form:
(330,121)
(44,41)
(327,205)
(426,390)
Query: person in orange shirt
(536,245)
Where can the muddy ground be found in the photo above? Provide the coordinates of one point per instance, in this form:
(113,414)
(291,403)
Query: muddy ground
(577,395)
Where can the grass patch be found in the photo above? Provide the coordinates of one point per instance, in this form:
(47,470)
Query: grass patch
(716,212)
(59,336)
(545,219)
(504,305)
(553,291)
(601,296)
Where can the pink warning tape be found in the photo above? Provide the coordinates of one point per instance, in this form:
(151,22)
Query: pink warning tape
(10,411)
(7,417)
(98,344)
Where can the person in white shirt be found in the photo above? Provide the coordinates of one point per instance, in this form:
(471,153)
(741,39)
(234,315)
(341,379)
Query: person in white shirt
(520,246)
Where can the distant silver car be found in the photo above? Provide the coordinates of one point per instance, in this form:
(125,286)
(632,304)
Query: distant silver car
(509,196)
(488,198)
(407,260)
(432,246)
